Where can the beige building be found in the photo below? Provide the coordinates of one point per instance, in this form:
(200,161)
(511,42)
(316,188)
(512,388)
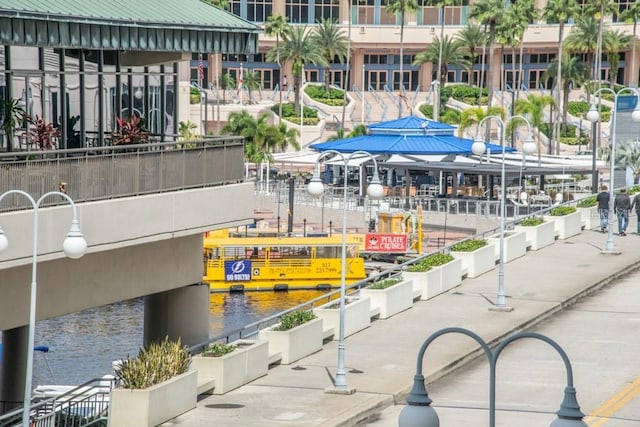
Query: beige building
(375,38)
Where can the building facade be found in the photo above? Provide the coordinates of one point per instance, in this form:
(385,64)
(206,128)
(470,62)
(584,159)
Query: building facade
(375,38)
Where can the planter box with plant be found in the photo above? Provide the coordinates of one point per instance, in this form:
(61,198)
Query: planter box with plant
(232,365)
(588,207)
(156,386)
(515,245)
(390,295)
(298,334)
(540,233)
(477,256)
(436,273)
(357,315)
(567,221)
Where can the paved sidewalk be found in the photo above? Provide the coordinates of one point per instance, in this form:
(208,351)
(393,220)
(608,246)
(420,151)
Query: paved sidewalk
(381,359)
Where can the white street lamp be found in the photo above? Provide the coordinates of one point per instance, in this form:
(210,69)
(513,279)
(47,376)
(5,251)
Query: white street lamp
(419,413)
(374,191)
(74,246)
(478,147)
(593,116)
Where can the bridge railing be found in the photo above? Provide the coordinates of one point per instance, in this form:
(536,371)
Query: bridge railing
(100,173)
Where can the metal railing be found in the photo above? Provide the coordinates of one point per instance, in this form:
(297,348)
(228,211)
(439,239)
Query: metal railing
(100,173)
(84,405)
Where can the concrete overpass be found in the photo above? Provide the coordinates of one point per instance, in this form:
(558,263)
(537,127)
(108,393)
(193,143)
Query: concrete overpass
(142,243)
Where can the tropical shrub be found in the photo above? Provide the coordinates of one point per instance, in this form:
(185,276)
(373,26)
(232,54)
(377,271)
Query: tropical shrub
(130,131)
(469,245)
(430,261)
(294,318)
(587,202)
(580,109)
(465,93)
(531,221)
(447,115)
(43,134)
(334,97)
(310,116)
(385,283)
(562,210)
(194,95)
(218,349)
(153,365)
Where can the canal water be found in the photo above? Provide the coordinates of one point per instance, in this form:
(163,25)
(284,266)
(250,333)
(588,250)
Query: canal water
(83,345)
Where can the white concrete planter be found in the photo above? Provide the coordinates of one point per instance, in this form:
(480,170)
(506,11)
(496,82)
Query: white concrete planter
(539,236)
(590,217)
(477,262)
(419,280)
(451,275)
(391,300)
(357,316)
(515,245)
(566,225)
(154,405)
(295,343)
(431,283)
(250,360)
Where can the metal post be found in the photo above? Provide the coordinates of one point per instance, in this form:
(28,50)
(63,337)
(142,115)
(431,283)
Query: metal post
(304,227)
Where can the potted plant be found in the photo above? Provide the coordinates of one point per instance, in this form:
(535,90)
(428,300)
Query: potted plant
(539,233)
(515,244)
(130,131)
(588,207)
(357,316)
(390,295)
(567,221)
(43,134)
(231,365)
(13,115)
(155,386)
(298,334)
(477,256)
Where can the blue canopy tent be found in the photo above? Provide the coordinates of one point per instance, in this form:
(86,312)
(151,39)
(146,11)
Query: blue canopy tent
(408,135)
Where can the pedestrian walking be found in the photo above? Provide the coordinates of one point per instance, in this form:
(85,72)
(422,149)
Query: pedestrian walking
(603,199)
(636,204)
(622,207)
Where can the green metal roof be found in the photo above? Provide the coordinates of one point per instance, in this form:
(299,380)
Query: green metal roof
(155,25)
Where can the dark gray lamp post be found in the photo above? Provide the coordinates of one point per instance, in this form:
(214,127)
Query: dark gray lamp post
(419,413)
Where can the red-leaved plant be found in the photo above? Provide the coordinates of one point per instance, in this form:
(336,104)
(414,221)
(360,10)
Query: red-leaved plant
(130,131)
(42,134)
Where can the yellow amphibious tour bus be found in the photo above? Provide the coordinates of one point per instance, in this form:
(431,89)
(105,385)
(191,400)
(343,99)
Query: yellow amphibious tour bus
(237,263)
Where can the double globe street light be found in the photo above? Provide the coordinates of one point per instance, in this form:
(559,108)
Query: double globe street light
(478,148)
(419,413)
(593,116)
(74,246)
(374,191)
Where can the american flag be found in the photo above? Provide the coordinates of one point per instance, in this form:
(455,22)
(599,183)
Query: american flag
(200,69)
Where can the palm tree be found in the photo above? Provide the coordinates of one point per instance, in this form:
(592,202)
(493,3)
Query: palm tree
(524,12)
(298,47)
(277,26)
(559,11)
(474,115)
(533,107)
(627,156)
(613,42)
(402,7)
(286,138)
(222,4)
(574,72)
(333,43)
(447,52)
(251,81)
(632,14)
(470,37)
(225,81)
(583,39)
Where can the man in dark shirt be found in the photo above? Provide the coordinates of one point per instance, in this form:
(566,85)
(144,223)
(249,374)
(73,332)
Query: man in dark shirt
(603,198)
(622,207)
(636,203)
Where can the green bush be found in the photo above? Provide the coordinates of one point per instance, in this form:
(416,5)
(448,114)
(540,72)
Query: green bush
(218,349)
(334,97)
(153,365)
(385,283)
(469,245)
(531,221)
(194,95)
(562,210)
(633,189)
(429,262)
(587,202)
(465,93)
(289,114)
(294,318)
(580,109)
(447,115)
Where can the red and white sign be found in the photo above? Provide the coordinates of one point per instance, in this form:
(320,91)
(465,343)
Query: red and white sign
(384,242)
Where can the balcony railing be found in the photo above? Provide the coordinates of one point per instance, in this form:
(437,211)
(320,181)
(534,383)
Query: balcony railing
(99,173)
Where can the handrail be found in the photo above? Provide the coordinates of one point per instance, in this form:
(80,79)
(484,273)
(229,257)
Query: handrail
(274,92)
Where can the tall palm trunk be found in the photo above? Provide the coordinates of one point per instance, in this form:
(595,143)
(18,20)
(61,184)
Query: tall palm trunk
(280,78)
(347,78)
(439,79)
(558,93)
(634,77)
(482,67)
(401,60)
(492,38)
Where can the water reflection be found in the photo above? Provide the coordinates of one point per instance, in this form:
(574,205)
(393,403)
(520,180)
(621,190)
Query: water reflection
(83,345)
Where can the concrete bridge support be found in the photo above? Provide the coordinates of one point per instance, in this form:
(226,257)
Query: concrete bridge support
(179,313)
(13,367)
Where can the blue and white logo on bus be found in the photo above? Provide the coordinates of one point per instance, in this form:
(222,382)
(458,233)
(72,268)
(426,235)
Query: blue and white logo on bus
(237,271)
